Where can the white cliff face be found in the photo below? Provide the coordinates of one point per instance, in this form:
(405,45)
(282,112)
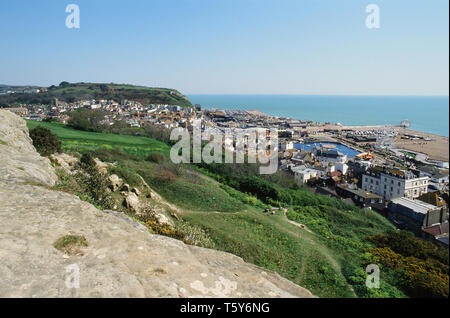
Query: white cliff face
(122,259)
(19,161)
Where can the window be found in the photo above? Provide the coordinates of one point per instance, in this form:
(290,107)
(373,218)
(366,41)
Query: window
(399,183)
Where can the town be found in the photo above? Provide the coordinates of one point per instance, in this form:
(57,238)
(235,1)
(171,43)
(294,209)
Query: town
(358,164)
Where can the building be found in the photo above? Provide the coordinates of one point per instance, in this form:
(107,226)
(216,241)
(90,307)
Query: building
(438,233)
(303,174)
(288,145)
(415,215)
(394,183)
(437,176)
(360,197)
(330,155)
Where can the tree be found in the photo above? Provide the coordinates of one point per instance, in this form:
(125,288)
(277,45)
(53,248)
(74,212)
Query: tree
(88,120)
(104,88)
(45,142)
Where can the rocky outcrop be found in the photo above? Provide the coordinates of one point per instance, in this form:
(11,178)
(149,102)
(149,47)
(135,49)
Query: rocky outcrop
(122,258)
(132,202)
(19,161)
(114,182)
(65,161)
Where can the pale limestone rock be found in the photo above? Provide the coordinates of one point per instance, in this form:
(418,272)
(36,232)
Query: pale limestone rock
(65,161)
(101,166)
(114,182)
(19,161)
(132,202)
(136,191)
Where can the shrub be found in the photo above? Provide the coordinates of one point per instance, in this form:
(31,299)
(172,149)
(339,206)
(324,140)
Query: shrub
(94,183)
(88,120)
(165,229)
(45,142)
(406,244)
(156,157)
(419,278)
(165,176)
(87,162)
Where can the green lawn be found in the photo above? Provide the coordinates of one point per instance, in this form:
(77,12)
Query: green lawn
(272,243)
(80,141)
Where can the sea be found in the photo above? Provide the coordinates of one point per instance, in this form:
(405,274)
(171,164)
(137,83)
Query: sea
(425,114)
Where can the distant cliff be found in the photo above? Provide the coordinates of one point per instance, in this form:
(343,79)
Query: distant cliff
(120,259)
(70,92)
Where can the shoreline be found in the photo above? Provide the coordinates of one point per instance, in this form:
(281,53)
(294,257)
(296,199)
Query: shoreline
(434,146)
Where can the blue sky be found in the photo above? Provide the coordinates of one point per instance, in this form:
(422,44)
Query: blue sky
(231,46)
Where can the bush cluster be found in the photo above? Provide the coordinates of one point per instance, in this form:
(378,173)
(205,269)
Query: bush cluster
(156,157)
(45,142)
(423,266)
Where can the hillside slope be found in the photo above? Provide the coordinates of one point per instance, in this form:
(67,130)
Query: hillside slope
(84,91)
(121,260)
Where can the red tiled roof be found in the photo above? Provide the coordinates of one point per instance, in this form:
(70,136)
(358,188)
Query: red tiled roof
(437,229)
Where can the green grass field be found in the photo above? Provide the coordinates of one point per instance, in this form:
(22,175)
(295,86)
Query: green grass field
(80,141)
(270,242)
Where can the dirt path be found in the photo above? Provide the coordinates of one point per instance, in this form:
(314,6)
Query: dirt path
(302,226)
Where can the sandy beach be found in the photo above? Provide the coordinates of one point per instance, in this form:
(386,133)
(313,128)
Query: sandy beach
(437,148)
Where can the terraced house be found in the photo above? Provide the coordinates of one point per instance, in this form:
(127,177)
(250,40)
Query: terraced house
(394,183)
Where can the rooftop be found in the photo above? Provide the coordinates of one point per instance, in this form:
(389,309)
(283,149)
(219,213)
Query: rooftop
(415,205)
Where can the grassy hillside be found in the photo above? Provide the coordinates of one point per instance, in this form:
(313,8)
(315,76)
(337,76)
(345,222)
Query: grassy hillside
(329,258)
(82,91)
(81,141)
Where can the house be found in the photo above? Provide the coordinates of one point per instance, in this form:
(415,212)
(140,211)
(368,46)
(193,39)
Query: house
(303,157)
(360,197)
(303,174)
(436,175)
(438,233)
(394,183)
(414,215)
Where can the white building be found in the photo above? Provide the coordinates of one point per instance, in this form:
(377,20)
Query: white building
(303,174)
(394,183)
(287,146)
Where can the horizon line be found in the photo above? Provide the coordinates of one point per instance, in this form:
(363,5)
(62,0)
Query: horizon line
(306,94)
